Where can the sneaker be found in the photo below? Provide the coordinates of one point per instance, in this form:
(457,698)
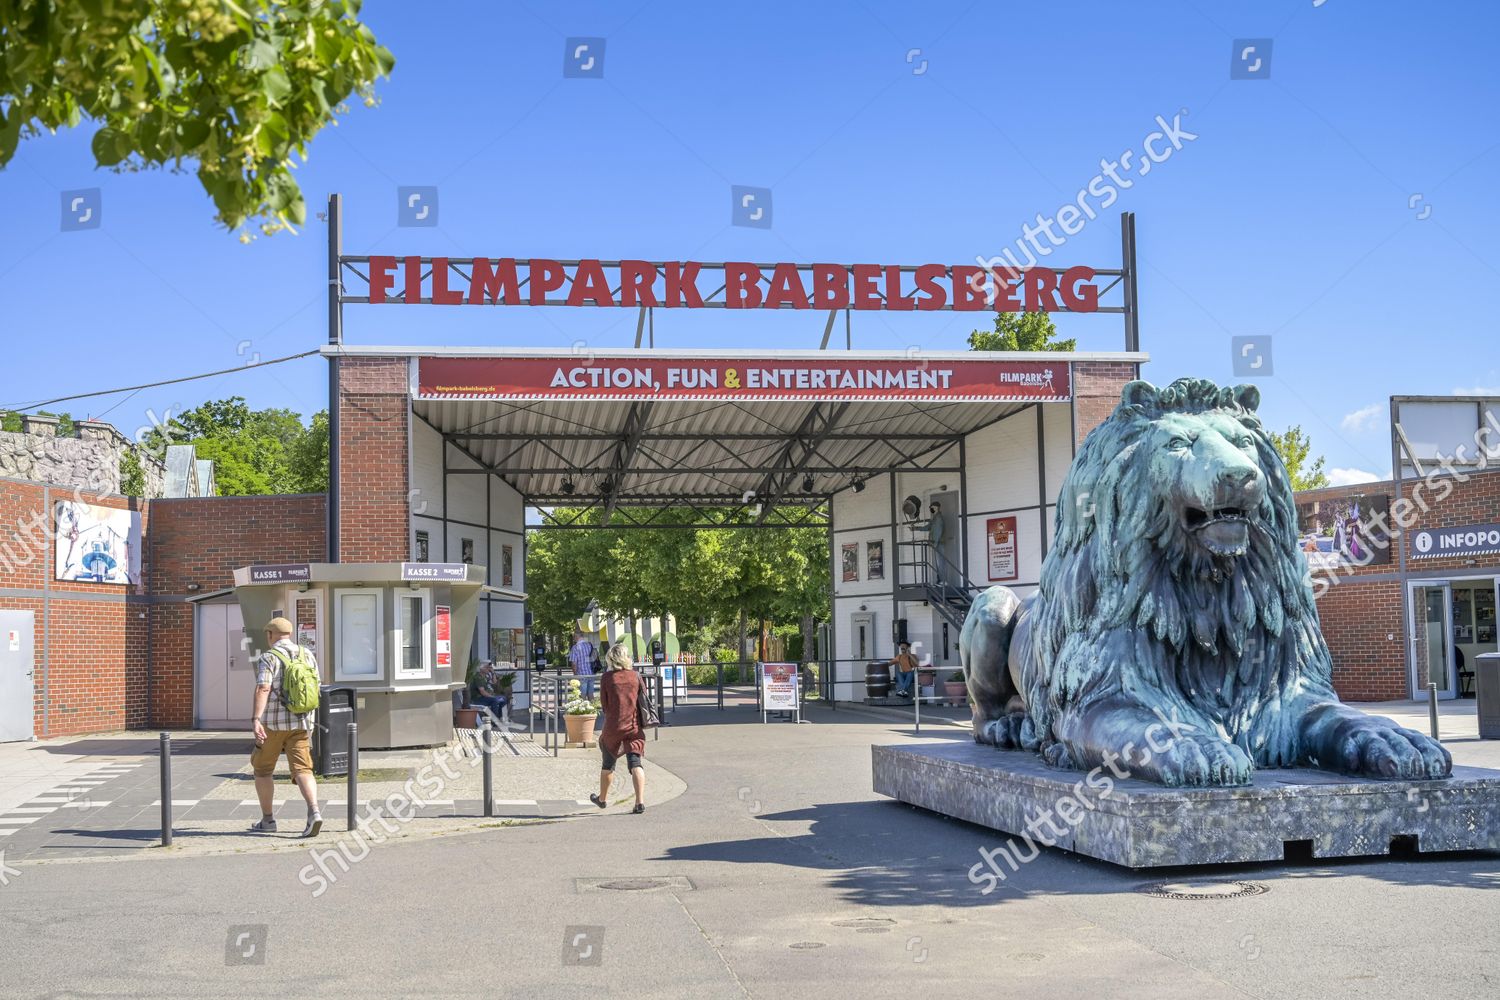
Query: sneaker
(314,825)
(640,807)
(596,800)
(266,824)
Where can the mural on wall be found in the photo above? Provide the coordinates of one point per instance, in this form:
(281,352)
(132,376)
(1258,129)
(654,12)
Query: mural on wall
(851,562)
(97,544)
(875,560)
(1334,533)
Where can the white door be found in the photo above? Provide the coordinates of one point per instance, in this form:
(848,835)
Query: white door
(17,665)
(225,677)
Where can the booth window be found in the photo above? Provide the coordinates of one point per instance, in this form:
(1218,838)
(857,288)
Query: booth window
(413,612)
(359,631)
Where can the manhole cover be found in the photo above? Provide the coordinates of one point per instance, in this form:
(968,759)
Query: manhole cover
(868,925)
(633,884)
(806,945)
(1204,890)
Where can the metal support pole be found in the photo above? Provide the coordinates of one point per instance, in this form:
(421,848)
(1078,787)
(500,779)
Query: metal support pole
(916,702)
(351,785)
(335,338)
(721,685)
(487,748)
(166,789)
(1432,707)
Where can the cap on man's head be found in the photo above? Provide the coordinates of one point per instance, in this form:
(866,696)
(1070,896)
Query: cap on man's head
(280,626)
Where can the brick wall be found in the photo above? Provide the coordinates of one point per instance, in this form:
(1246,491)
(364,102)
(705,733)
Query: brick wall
(1096,392)
(89,638)
(1356,620)
(202,541)
(374,409)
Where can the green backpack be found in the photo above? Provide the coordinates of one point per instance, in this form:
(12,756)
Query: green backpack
(299,681)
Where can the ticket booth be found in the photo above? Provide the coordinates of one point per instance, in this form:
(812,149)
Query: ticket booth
(398,633)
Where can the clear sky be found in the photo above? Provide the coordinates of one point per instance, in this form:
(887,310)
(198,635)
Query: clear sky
(1344,205)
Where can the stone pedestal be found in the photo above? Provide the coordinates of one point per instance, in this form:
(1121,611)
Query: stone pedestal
(1140,824)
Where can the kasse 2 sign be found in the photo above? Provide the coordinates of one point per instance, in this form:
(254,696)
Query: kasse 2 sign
(743,378)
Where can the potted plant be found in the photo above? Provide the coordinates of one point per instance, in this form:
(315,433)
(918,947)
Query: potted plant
(927,680)
(466,716)
(579,713)
(955,688)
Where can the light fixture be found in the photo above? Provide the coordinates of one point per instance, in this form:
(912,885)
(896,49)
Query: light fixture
(567,487)
(859,485)
(194,587)
(807,483)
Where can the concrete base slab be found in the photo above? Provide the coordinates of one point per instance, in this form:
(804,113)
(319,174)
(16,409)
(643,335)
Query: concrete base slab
(1140,824)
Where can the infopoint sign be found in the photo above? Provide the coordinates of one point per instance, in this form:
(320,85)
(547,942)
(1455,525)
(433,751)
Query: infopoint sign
(1464,540)
(633,284)
(765,379)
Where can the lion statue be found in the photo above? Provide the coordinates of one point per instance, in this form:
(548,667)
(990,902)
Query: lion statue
(1174,630)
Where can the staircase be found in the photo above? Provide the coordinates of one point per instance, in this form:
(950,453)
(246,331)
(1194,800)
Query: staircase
(937,580)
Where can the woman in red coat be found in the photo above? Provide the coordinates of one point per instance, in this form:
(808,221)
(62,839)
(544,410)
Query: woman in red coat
(620,691)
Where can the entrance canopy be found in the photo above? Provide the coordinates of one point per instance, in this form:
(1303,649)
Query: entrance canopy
(653,428)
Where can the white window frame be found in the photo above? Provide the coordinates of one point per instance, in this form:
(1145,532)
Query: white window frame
(338,602)
(401,670)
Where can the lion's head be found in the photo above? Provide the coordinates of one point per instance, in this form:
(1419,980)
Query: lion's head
(1177,513)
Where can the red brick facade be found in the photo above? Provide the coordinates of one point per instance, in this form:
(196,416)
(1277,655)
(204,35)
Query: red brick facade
(1096,392)
(374,411)
(112,657)
(1363,604)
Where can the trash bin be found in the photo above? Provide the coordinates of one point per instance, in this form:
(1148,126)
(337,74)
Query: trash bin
(336,709)
(1487,693)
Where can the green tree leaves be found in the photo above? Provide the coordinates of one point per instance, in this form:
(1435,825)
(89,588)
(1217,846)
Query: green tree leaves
(1022,331)
(1294,446)
(255,452)
(238,87)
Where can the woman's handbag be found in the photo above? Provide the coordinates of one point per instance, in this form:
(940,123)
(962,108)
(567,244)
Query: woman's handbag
(646,714)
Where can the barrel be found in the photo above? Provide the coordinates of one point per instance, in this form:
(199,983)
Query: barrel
(877,680)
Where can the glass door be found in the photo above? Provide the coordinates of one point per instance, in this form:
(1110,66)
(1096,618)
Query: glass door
(1431,634)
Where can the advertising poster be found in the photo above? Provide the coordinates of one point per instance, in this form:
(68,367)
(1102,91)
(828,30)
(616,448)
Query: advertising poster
(779,687)
(875,560)
(501,647)
(97,544)
(507,566)
(851,562)
(1345,531)
(444,618)
(1000,548)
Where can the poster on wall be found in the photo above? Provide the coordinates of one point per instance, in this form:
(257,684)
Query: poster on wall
(875,560)
(502,650)
(1000,548)
(466,550)
(1345,531)
(444,618)
(97,544)
(507,566)
(851,562)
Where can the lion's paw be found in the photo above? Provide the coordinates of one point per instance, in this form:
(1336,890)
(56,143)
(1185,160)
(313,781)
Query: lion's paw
(1378,751)
(1196,760)
(1003,733)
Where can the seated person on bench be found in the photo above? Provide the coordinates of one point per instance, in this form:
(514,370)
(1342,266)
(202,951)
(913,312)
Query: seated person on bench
(484,691)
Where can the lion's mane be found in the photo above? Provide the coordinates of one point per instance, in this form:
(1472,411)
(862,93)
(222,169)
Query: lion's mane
(1219,636)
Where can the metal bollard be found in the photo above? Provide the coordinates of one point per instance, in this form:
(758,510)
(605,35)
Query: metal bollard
(166,789)
(488,750)
(721,686)
(351,786)
(1432,708)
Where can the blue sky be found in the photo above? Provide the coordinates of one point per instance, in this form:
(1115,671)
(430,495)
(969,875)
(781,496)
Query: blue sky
(1300,211)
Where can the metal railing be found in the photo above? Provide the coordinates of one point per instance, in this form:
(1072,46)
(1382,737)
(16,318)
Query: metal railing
(947,588)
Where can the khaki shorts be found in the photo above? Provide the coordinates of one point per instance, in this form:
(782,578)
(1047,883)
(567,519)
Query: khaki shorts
(293,741)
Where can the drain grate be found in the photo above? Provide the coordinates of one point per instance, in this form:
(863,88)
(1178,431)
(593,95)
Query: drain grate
(633,884)
(866,925)
(806,945)
(1204,890)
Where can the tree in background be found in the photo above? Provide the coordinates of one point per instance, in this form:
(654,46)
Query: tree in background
(237,87)
(255,452)
(1293,446)
(1020,331)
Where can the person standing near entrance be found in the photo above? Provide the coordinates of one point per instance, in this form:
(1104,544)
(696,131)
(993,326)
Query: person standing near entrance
(621,689)
(583,658)
(935,530)
(281,678)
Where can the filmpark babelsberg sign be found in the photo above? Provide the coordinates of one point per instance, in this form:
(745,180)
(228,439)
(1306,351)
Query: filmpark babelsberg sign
(633,284)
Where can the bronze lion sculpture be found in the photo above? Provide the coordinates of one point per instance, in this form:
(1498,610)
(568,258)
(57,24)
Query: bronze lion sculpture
(1174,630)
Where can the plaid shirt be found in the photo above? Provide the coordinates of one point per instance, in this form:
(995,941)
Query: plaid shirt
(268,674)
(581,656)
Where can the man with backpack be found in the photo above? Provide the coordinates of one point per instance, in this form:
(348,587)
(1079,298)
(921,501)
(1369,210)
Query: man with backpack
(286,701)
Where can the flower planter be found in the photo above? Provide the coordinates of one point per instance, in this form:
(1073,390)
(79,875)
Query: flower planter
(580,728)
(466,718)
(955,691)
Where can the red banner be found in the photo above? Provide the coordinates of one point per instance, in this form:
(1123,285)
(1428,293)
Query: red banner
(918,379)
